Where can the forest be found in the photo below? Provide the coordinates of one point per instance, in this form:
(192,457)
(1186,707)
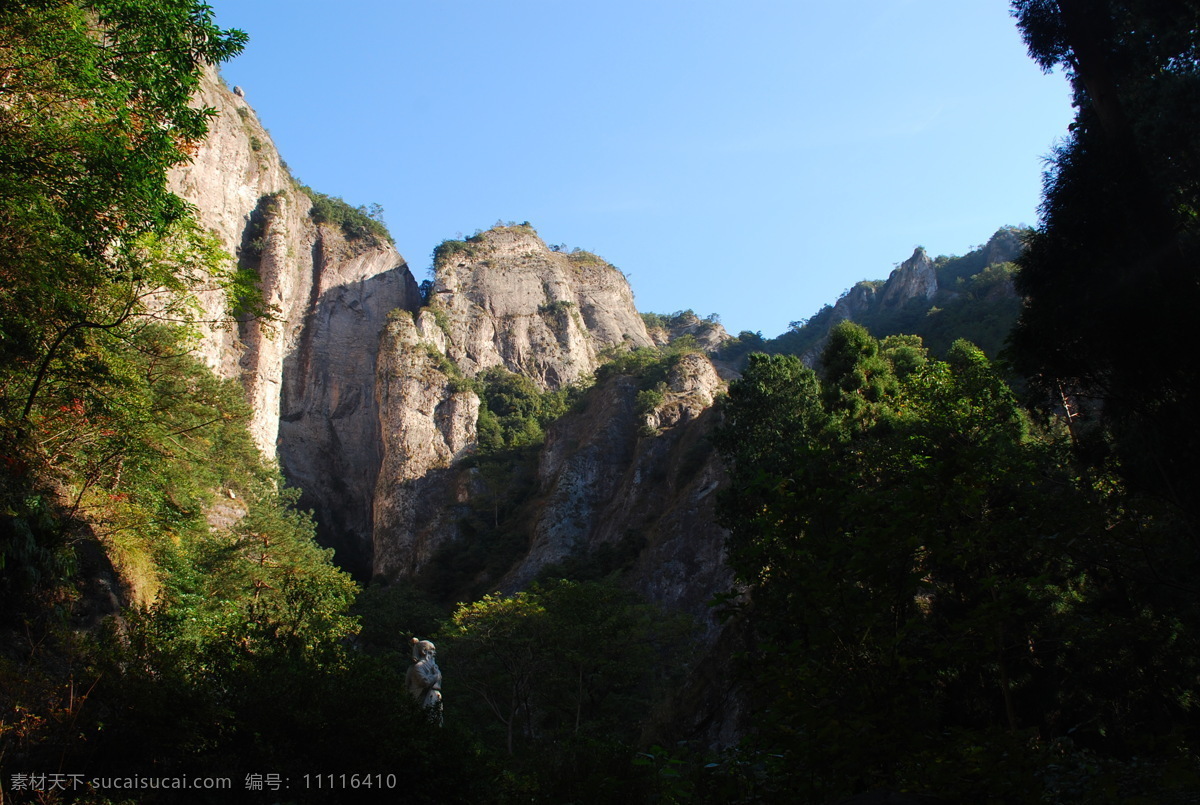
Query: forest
(960,575)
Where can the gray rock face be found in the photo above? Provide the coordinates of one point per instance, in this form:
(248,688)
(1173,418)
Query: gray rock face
(233,170)
(330,444)
(639,481)
(856,302)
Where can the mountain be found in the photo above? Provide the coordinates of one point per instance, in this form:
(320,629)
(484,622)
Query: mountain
(373,395)
(940,299)
(407,416)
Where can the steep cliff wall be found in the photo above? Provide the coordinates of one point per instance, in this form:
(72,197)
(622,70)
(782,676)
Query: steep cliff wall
(616,486)
(330,443)
(309,375)
(499,299)
(636,485)
(235,168)
(428,423)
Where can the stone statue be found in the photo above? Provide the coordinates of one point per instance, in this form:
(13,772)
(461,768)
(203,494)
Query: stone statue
(424,678)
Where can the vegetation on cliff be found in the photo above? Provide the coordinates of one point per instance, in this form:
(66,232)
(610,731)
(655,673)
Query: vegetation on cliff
(974,299)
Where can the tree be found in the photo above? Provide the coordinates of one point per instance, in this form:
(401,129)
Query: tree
(925,573)
(569,669)
(1110,276)
(494,642)
(94,108)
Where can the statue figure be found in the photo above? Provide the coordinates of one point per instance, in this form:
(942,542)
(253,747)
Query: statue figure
(424,678)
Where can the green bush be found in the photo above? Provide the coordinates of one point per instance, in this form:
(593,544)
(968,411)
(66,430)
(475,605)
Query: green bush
(357,223)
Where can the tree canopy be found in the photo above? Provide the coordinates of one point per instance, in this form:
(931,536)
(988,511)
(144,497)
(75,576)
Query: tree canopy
(94,108)
(1110,275)
(925,568)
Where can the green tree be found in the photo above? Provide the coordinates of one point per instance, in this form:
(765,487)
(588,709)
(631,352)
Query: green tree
(94,108)
(568,671)
(494,645)
(1110,275)
(925,574)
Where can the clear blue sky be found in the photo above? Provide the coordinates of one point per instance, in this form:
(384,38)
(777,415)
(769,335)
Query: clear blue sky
(753,158)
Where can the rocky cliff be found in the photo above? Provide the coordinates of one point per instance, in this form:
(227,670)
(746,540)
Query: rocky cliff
(309,374)
(505,299)
(634,484)
(428,423)
(617,486)
(625,478)
(915,278)
(708,333)
(364,398)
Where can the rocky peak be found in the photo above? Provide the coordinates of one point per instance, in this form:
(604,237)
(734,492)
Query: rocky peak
(1003,247)
(709,333)
(914,279)
(504,298)
(691,387)
(856,302)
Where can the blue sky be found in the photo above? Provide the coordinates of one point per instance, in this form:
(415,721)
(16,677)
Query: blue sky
(752,159)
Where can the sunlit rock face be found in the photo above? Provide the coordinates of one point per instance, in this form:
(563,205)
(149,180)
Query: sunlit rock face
(506,299)
(359,391)
(914,279)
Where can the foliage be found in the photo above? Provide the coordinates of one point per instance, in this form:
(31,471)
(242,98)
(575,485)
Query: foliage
(157,706)
(557,307)
(391,614)
(513,416)
(361,223)
(563,673)
(89,124)
(742,345)
(650,365)
(129,484)
(447,249)
(514,412)
(237,652)
(582,257)
(1110,273)
(94,253)
(678,320)
(926,568)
